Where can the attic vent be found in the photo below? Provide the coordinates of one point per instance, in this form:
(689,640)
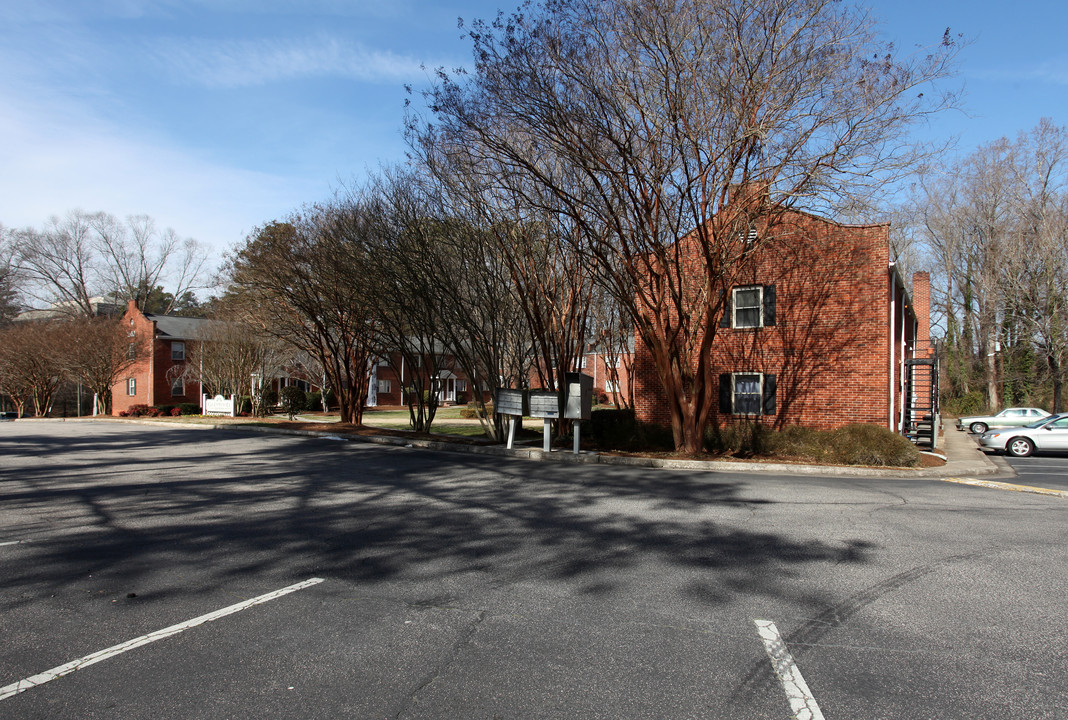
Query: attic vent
(747,237)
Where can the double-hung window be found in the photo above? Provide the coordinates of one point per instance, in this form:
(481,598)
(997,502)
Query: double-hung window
(385,386)
(131,386)
(747,393)
(178,387)
(750,306)
(177,350)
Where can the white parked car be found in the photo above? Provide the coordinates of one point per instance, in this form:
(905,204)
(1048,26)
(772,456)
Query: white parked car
(1009,417)
(1049,433)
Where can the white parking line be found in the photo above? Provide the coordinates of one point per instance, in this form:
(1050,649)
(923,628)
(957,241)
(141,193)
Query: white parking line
(10,542)
(802,704)
(67,668)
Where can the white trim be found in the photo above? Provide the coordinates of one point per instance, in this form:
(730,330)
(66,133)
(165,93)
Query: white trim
(759,307)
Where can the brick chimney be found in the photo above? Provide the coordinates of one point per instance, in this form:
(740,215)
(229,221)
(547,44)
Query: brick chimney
(921,305)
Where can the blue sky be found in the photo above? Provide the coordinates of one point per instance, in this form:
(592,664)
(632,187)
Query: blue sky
(214,116)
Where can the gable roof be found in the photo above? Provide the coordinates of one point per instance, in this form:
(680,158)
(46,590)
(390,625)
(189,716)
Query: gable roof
(178,328)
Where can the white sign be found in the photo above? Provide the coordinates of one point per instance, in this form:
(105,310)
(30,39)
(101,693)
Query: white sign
(218,405)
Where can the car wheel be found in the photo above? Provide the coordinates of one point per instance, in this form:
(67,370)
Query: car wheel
(1020,447)
(978,428)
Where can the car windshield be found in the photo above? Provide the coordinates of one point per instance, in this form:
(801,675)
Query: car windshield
(1042,421)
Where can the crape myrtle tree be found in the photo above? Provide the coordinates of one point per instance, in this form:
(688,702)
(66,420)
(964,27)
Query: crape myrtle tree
(304,281)
(548,276)
(444,297)
(98,351)
(634,121)
(404,289)
(33,363)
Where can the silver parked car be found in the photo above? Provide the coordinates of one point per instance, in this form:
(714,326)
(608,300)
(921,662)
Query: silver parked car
(1049,433)
(1009,417)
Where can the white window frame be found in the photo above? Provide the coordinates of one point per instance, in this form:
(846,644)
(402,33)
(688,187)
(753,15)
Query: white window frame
(131,387)
(611,386)
(461,385)
(759,306)
(179,382)
(759,394)
(580,363)
(385,386)
(177,350)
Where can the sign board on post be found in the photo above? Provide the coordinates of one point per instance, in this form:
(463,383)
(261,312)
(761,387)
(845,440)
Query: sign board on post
(578,403)
(218,405)
(545,404)
(510,402)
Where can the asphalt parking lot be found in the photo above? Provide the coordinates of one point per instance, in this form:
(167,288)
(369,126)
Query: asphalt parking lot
(164,573)
(1048,470)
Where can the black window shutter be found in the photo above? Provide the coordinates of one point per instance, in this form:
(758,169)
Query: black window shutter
(725,392)
(725,321)
(769,305)
(769,395)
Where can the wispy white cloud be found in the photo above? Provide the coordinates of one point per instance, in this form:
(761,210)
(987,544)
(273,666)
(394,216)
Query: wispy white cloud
(57,157)
(246,63)
(1053,71)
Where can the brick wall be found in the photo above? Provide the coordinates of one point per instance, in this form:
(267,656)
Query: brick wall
(829,348)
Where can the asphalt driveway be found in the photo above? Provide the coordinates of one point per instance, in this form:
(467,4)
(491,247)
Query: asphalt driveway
(167,573)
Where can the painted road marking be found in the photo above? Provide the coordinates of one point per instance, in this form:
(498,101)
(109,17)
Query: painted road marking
(67,668)
(10,542)
(1006,486)
(802,704)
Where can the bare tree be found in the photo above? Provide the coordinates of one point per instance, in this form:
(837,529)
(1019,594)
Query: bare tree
(96,351)
(32,363)
(995,225)
(9,277)
(636,122)
(229,356)
(303,282)
(84,255)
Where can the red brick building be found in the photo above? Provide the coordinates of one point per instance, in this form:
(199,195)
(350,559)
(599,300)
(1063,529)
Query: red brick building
(392,374)
(817,325)
(158,343)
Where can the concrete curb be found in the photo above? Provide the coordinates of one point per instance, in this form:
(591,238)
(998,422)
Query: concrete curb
(958,446)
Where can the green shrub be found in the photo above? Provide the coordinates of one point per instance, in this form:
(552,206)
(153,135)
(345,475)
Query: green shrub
(855,444)
(244,405)
(189,408)
(471,411)
(331,399)
(740,438)
(974,403)
(269,397)
(313,401)
(619,430)
(293,399)
(613,428)
(859,444)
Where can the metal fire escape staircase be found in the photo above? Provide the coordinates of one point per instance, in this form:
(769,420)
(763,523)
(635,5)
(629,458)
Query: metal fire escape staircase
(919,412)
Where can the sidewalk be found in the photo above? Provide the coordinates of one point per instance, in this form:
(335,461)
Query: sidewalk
(963,456)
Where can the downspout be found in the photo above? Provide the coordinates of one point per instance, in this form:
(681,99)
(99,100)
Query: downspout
(901,370)
(893,341)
